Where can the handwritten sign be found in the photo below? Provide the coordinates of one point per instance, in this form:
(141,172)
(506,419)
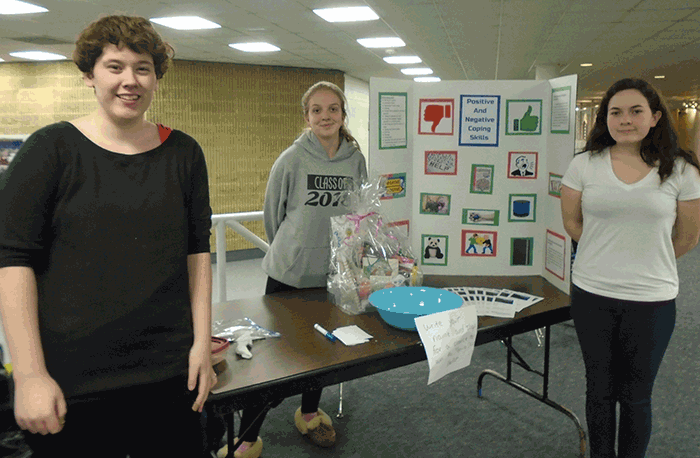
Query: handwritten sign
(441,162)
(448,338)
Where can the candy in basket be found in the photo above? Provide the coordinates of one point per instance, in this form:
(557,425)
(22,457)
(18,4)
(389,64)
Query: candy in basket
(366,253)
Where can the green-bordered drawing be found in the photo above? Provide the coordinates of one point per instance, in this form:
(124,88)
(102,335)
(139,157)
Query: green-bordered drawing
(521,251)
(483,217)
(393,185)
(434,249)
(524,117)
(561,110)
(522,208)
(554,185)
(393,120)
(435,204)
(481,179)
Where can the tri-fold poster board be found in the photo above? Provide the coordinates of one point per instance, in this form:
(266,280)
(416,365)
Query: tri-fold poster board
(473,172)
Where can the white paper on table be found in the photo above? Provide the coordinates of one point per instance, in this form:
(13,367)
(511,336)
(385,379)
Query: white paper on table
(520,300)
(351,335)
(448,338)
(498,307)
(532,301)
(491,292)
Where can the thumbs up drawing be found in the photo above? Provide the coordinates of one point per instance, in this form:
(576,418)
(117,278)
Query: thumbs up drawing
(529,122)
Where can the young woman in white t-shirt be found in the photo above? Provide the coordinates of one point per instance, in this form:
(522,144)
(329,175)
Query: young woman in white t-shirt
(632,202)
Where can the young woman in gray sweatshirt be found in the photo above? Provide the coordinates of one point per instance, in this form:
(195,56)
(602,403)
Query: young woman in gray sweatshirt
(304,190)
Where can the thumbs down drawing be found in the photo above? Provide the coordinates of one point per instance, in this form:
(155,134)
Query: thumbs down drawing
(436,113)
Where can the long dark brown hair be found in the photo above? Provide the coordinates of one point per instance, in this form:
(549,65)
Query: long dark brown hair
(660,147)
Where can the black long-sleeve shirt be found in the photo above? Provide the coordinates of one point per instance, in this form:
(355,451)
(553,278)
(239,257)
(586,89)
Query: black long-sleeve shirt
(107,236)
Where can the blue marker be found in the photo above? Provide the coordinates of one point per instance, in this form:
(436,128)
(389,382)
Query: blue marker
(328,335)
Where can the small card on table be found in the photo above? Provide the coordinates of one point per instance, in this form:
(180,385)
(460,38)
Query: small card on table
(351,335)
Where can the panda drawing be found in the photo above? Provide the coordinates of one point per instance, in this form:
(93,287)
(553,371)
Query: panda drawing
(433,250)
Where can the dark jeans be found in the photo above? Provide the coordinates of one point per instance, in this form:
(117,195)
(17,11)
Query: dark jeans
(623,343)
(142,421)
(309,400)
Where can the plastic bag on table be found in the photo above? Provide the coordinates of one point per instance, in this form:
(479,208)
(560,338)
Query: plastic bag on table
(234,328)
(366,253)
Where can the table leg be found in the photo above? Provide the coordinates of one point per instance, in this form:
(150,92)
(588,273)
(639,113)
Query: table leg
(340,401)
(544,398)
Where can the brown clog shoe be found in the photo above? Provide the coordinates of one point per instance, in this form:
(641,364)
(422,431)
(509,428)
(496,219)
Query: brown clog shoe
(319,429)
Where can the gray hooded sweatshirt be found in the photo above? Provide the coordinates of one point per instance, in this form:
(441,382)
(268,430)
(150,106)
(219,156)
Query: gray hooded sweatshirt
(304,190)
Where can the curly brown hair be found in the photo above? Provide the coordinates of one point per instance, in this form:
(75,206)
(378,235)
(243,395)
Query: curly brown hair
(135,32)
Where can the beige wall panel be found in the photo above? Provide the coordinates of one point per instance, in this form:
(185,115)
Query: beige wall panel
(243,116)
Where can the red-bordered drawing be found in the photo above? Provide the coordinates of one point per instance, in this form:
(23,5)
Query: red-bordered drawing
(441,162)
(522,165)
(436,117)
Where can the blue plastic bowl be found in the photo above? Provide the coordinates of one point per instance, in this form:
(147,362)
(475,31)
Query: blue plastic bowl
(399,306)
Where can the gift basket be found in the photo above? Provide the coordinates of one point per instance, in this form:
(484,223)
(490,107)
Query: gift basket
(366,253)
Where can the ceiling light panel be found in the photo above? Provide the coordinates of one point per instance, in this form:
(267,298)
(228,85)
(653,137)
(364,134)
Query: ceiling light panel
(255,47)
(384,42)
(17,7)
(186,23)
(349,14)
(417,71)
(37,55)
(403,60)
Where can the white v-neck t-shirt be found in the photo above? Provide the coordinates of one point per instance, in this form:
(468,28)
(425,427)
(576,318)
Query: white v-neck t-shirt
(625,250)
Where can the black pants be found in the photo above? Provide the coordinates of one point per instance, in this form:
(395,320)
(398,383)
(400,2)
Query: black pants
(623,343)
(309,400)
(149,420)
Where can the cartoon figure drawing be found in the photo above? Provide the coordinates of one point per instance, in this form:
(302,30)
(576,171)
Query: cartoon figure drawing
(473,240)
(478,244)
(487,245)
(432,250)
(522,167)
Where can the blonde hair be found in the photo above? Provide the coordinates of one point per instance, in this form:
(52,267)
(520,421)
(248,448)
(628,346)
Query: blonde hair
(328,86)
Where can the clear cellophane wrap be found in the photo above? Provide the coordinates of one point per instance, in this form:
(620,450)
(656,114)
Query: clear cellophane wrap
(366,253)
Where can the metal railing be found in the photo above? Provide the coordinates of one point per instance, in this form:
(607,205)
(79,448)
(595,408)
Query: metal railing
(219,224)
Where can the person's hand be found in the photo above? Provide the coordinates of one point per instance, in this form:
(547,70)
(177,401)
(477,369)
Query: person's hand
(201,374)
(40,406)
